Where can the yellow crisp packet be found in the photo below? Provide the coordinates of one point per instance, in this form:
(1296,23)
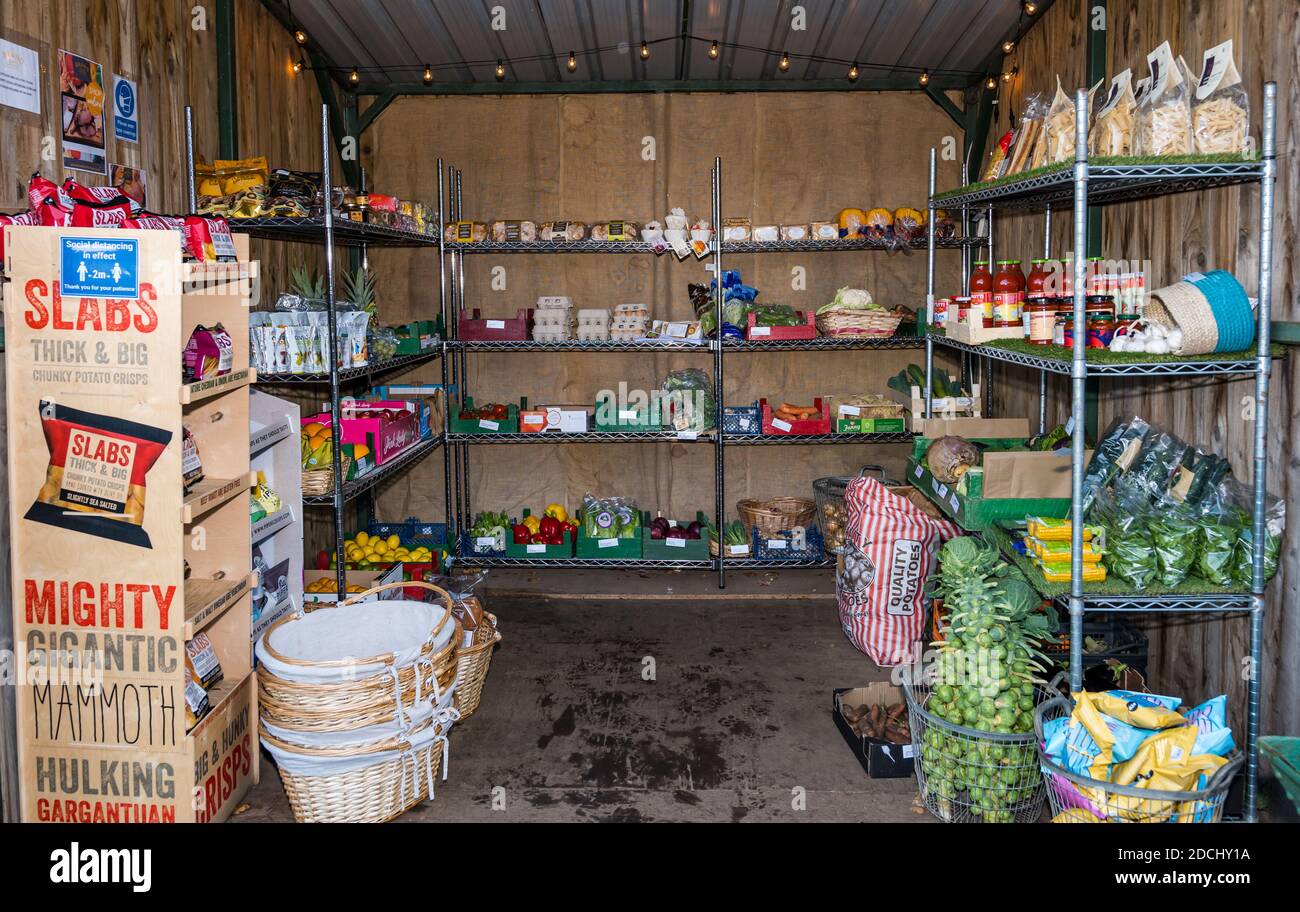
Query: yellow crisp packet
(1053,529)
(1056,573)
(1087,715)
(1052,551)
(1136,709)
(1164,753)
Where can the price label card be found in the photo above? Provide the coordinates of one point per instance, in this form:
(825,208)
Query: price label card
(536,549)
(920,472)
(496,324)
(942,490)
(489,425)
(627,415)
(675,542)
(756,332)
(851,410)
(777,544)
(686,435)
(485,541)
(781,425)
(608,543)
(735,550)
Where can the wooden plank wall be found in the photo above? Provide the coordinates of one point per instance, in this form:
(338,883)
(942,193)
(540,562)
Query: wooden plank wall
(174,63)
(793,157)
(1178,234)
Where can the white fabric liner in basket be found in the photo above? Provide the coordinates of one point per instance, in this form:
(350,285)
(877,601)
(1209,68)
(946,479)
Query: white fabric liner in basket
(396,630)
(417,718)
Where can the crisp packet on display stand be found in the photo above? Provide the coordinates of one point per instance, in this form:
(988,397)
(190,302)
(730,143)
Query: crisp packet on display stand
(95,481)
(208,354)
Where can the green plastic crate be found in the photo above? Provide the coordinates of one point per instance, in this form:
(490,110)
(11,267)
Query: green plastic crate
(971,510)
(622,549)
(509,425)
(417,328)
(870,425)
(627,420)
(1284,755)
(537,552)
(660,549)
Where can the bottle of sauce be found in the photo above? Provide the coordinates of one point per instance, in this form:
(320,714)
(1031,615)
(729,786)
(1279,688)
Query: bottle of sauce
(1008,293)
(1036,288)
(1040,318)
(1100,320)
(981,291)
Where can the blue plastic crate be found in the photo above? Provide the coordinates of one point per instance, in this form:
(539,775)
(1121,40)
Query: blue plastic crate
(742,419)
(432,535)
(468,548)
(812,550)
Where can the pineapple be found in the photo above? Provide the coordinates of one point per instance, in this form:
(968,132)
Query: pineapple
(307,283)
(359,286)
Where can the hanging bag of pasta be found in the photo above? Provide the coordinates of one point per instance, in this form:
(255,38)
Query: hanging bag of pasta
(1029,133)
(1220,108)
(1112,131)
(1058,129)
(1165,114)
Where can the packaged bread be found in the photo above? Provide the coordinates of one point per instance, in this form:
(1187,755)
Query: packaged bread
(878,224)
(509,231)
(851,221)
(736,229)
(465,232)
(767,233)
(997,163)
(1113,130)
(824,231)
(907,224)
(563,231)
(1029,133)
(794,232)
(1164,117)
(1220,106)
(617,230)
(1058,128)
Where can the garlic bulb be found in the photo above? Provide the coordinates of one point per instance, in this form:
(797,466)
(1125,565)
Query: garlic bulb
(1119,344)
(1158,347)
(1175,339)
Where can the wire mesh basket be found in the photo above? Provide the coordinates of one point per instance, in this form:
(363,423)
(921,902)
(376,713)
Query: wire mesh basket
(832,515)
(966,775)
(1081,799)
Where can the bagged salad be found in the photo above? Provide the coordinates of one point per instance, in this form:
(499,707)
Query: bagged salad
(610,517)
(688,402)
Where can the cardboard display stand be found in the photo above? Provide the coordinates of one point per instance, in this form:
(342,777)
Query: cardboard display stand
(274,443)
(101,531)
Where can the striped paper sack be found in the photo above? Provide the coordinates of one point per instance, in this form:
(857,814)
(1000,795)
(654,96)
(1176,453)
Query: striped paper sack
(880,584)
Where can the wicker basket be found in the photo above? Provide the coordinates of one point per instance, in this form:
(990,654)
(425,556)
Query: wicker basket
(858,323)
(316,482)
(472,666)
(777,514)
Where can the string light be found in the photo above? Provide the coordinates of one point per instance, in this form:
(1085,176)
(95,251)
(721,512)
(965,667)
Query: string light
(645,51)
(354,77)
(573,63)
(785,62)
(428,75)
(924,78)
(991,83)
(853,72)
(1030,7)
(501,70)
(297,65)
(1008,46)
(713,51)
(1006,77)
(300,36)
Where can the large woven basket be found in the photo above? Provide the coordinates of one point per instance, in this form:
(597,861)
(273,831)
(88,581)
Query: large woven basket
(1210,309)
(777,514)
(354,702)
(321,481)
(472,666)
(858,323)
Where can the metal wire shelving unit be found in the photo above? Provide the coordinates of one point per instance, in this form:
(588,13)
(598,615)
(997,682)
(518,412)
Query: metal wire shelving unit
(328,230)
(452,296)
(1085,185)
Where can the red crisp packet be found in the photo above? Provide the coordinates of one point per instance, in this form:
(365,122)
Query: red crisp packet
(42,189)
(80,193)
(100,215)
(49,215)
(95,482)
(208,239)
(209,353)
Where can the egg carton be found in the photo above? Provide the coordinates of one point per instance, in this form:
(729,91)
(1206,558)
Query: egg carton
(593,334)
(554,302)
(633,311)
(551,334)
(552,319)
(593,317)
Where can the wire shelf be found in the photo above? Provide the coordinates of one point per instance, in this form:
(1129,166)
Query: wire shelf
(1192,368)
(478,560)
(823,343)
(754,563)
(528,345)
(401,362)
(388,470)
(1106,184)
(311,230)
(807,246)
(552,437)
(817,439)
(1228,603)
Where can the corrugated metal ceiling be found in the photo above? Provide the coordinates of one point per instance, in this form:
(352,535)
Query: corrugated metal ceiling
(390,42)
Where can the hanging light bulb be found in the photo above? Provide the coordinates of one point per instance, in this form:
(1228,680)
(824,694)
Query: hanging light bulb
(354,77)
(1008,46)
(645,51)
(300,36)
(297,65)
(573,63)
(924,78)
(428,75)
(991,83)
(785,62)
(853,71)
(1030,7)
(501,70)
(713,51)
(1006,77)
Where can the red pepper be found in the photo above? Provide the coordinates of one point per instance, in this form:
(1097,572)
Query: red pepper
(521,534)
(550,527)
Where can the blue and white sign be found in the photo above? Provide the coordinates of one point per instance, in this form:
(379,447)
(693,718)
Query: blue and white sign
(126,111)
(99,267)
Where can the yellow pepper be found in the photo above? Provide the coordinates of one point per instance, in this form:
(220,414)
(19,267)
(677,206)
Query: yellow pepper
(557,511)
(533,523)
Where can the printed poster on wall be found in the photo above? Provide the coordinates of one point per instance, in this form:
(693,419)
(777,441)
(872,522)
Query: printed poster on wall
(131,181)
(126,113)
(20,70)
(81,98)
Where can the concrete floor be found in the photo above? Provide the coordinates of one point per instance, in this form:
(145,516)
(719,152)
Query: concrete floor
(654,697)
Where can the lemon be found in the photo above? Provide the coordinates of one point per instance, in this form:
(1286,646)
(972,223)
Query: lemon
(363,539)
(394,541)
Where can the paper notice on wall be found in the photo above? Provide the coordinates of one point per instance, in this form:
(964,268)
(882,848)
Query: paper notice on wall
(20,70)
(131,181)
(126,112)
(81,112)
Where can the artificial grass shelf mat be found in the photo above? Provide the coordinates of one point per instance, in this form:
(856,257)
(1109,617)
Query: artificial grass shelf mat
(1106,356)
(1111,587)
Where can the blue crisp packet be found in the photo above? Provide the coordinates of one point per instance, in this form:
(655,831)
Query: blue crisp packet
(1211,721)
(1145,699)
